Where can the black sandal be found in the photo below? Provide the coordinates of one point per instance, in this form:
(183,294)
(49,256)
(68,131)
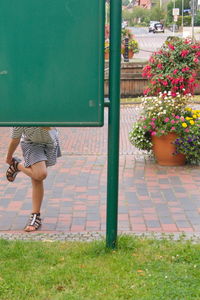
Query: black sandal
(34,221)
(12,171)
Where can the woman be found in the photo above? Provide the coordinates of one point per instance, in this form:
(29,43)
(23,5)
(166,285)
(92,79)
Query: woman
(40,147)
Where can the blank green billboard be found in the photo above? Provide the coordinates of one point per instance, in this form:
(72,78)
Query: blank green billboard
(51,62)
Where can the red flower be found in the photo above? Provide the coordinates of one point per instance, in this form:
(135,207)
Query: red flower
(185,69)
(164,82)
(171,46)
(173,94)
(184,53)
(151,60)
(160,66)
(175,71)
(195,60)
(191,79)
(147,91)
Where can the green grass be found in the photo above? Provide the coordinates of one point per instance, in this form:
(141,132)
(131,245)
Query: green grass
(141,268)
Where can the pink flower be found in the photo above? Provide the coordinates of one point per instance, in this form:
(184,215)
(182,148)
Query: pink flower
(173,128)
(166,120)
(162,131)
(191,79)
(187,130)
(160,66)
(153,119)
(181,79)
(153,133)
(177,117)
(175,71)
(182,118)
(152,124)
(173,94)
(165,83)
(171,46)
(147,91)
(172,121)
(185,69)
(152,60)
(184,53)
(195,60)
(144,126)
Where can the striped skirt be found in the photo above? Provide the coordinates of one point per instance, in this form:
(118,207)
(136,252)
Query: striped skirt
(35,152)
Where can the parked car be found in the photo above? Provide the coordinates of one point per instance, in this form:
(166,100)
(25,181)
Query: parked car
(156,26)
(151,25)
(124,24)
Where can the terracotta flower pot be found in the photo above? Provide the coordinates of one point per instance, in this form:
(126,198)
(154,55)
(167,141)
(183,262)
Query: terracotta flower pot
(164,150)
(130,53)
(106,55)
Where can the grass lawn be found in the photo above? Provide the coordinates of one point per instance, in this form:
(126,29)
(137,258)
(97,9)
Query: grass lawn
(141,268)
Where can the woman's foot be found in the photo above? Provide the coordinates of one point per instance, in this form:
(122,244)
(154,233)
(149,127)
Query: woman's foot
(34,223)
(12,171)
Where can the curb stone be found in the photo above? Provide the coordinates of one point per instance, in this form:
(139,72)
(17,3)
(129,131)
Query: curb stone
(98,236)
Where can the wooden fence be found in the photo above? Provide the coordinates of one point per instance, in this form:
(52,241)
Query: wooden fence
(132,82)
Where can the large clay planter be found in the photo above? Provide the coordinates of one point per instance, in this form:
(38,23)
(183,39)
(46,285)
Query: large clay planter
(130,54)
(106,55)
(164,150)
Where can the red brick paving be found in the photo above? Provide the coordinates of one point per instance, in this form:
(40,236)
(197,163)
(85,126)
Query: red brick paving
(151,197)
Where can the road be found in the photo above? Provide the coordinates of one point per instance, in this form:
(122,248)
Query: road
(149,42)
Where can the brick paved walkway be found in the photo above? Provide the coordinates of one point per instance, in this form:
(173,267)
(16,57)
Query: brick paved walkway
(151,197)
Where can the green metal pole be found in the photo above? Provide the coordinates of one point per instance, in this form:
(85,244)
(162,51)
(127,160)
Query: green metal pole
(113,123)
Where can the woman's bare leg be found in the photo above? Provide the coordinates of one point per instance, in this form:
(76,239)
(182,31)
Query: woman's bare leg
(38,173)
(37,195)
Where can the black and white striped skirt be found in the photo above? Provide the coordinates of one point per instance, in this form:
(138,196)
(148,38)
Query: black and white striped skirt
(35,152)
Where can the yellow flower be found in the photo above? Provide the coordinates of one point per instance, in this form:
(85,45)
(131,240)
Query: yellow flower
(194,116)
(188,109)
(191,122)
(188,118)
(184,125)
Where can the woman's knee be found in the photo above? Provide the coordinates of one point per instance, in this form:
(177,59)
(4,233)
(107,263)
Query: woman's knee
(39,171)
(40,176)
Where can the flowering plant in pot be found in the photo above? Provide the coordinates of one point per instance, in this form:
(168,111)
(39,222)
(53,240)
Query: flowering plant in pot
(133,46)
(163,115)
(165,110)
(107,49)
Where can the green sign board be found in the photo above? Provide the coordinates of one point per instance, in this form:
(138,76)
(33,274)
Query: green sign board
(51,62)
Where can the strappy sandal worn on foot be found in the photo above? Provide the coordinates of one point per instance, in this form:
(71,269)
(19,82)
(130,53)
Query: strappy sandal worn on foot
(12,171)
(34,221)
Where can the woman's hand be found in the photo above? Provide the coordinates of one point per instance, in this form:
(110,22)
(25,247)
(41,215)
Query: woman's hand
(11,149)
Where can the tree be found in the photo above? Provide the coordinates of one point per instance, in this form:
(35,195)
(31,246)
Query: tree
(157,13)
(136,14)
(178,4)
